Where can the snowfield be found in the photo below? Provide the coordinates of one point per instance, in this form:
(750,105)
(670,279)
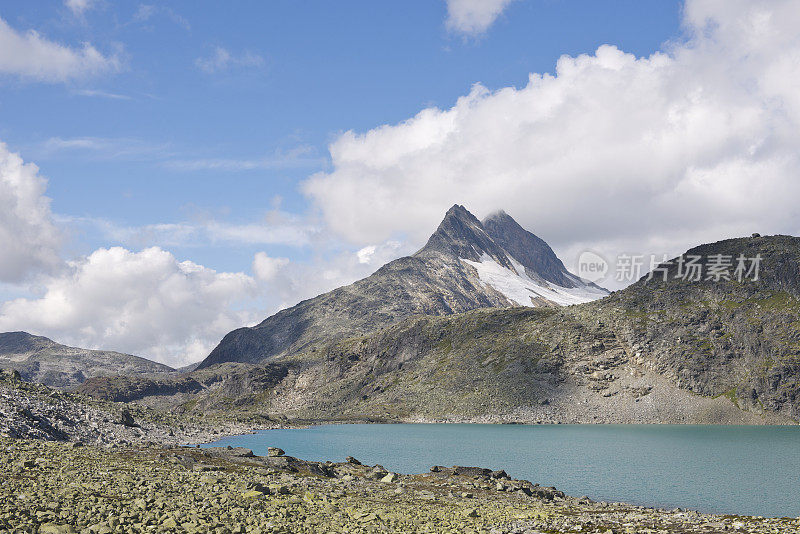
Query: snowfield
(523,290)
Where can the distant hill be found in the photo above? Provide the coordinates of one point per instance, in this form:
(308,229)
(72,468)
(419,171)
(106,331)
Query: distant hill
(42,360)
(466,264)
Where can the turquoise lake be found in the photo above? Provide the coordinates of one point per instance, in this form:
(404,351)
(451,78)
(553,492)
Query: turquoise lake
(744,470)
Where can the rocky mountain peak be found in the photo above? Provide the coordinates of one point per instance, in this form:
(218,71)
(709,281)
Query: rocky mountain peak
(462,267)
(499,215)
(531,251)
(461,235)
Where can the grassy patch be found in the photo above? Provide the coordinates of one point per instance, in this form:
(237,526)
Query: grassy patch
(190,405)
(731,396)
(730,304)
(705,346)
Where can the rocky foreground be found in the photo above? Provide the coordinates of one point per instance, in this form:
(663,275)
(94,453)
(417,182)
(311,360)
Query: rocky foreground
(55,487)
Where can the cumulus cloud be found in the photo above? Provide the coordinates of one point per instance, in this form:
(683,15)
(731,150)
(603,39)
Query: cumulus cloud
(371,253)
(285,283)
(473,17)
(266,268)
(146,303)
(222,60)
(652,154)
(29,241)
(33,57)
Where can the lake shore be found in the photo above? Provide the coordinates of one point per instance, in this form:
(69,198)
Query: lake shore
(54,440)
(57,487)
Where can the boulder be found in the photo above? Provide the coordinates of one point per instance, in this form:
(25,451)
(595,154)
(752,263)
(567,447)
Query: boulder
(377,473)
(274,452)
(236,452)
(471,471)
(319,469)
(126,418)
(278,462)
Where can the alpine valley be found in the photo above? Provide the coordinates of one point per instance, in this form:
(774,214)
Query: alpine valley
(485,324)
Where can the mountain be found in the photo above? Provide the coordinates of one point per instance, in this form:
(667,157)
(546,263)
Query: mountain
(664,350)
(531,251)
(661,351)
(466,264)
(39,359)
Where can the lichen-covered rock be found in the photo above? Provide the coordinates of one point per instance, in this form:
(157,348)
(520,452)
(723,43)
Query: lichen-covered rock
(275,451)
(100,491)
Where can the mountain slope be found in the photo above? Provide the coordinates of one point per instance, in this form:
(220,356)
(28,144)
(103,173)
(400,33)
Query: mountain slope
(660,351)
(39,359)
(726,337)
(459,269)
(532,252)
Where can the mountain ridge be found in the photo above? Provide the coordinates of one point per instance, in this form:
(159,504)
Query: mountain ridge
(445,276)
(40,359)
(660,351)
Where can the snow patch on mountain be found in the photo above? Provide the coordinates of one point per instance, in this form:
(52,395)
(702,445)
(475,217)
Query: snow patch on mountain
(523,290)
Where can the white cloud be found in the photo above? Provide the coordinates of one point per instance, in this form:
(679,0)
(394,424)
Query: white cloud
(146,12)
(222,60)
(275,228)
(285,283)
(371,253)
(79,7)
(299,157)
(102,94)
(104,147)
(260,233)
(33,57)
(29,241)
(266,268)
(365,254)
(146,303)
(473,17)
(693,144)
(170,157)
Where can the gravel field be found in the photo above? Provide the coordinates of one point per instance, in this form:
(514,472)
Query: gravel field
(54,487)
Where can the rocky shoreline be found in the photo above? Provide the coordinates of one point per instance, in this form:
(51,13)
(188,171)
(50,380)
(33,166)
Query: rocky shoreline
(76,464)
(56,487)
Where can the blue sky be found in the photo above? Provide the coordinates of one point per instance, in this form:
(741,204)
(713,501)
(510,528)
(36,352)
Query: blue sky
(133,147)
(171,171)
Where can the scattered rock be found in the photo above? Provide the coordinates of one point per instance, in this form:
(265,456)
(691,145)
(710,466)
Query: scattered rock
(126,418)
